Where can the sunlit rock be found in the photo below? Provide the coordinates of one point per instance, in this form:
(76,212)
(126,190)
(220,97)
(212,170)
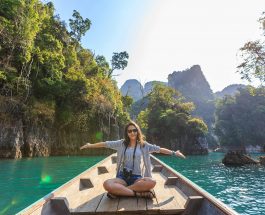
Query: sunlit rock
(235,158)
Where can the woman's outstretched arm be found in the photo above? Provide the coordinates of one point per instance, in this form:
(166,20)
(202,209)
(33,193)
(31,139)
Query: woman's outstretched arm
(95,145)
(170,152)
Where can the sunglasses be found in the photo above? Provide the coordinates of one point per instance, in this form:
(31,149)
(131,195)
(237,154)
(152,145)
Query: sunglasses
(132,130)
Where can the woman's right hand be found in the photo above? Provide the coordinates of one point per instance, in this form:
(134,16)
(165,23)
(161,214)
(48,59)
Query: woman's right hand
(179,154)
(85,146)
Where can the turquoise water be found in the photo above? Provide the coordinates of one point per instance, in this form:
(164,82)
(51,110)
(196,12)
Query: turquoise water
(24,181)
(242,188)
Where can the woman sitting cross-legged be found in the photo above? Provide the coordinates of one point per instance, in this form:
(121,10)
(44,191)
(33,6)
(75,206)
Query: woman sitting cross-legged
(131,152)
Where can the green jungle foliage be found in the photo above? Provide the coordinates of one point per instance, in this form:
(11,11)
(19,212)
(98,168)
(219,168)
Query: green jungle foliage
(240,119)
(45,73)
(167,118)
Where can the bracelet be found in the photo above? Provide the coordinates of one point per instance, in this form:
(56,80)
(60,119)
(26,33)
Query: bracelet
(173,153)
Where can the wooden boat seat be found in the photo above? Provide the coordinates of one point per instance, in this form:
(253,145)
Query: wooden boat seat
(157,168)
(114,159)
(85,183)
(60,205)
(102,170)
(190,204)
(169,199)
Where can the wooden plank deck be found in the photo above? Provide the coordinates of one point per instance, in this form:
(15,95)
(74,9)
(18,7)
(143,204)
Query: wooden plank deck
(169,199)
(98,193)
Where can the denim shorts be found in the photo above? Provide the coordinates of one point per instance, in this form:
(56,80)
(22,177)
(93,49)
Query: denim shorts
(131,180)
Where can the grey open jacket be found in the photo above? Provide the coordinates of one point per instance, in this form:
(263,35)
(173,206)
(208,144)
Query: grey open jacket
(146,150)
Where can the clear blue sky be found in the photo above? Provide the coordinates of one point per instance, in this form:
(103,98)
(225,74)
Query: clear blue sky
(113,22)
(162,36)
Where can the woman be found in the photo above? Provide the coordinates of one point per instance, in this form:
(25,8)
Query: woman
(130,180)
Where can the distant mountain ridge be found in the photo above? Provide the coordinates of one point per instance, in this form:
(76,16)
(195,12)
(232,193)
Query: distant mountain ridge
(134,88)
(191,83)
(229,90)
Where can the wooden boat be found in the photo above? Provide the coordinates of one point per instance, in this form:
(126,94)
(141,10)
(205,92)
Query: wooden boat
(85,194)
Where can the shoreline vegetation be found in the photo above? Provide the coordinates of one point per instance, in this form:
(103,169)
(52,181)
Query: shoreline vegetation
(55,94)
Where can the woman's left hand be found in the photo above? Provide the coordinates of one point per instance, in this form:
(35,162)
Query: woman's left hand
(179,154)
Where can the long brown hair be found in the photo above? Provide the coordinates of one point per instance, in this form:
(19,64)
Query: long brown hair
(140,136)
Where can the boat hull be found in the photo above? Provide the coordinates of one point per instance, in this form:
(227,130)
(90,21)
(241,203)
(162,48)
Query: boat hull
(84,194)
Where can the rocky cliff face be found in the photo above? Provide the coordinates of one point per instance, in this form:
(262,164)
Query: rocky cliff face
(27,139)
(194,87)
(20,140)
(191,83)
(132,88)
(187,144)
(38,139)
(68,141)
(11,138)
(25,134)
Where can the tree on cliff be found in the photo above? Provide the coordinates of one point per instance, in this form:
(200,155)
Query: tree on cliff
(253,54)
(167,120)
(78,26)
(118,61)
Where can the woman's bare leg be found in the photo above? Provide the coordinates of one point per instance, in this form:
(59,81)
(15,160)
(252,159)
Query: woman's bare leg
(118,187)
(143,184)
